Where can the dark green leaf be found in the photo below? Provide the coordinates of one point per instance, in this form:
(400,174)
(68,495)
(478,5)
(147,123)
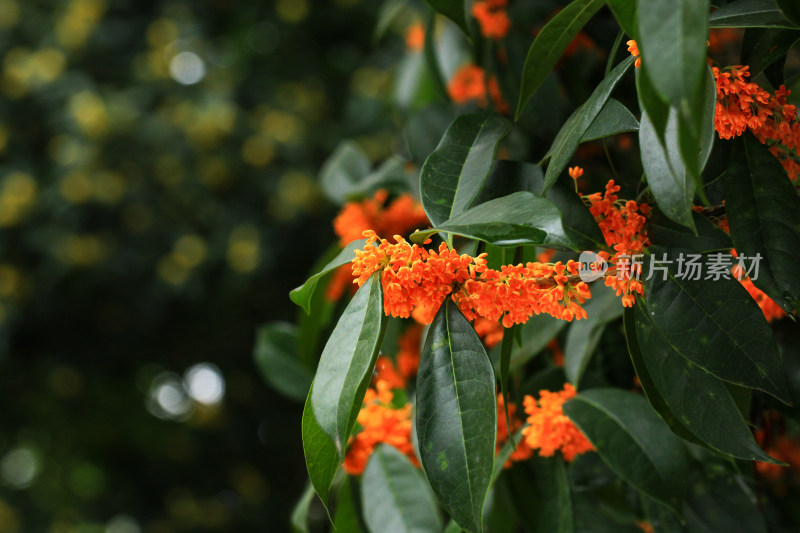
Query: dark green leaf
(541,495)
(580,122)
(790,10)
(519,218)
(719,500)
(672,40)
(508,177)
(432,61)
(625,13)
(550,44)
(764,216)
(454,174)
(584,335)
(348,517)
(299,518)
(701,402)
(275,355)
(536,333)
(714,323)
(346,364)
(313,326)
(302,294)
(505,362)
(709,238)
(651,103)
(343,170)
(749,14)
(613,118)
(456,416)
(633,441)
(395,495)
(452,9)
(322,459)
(763,48)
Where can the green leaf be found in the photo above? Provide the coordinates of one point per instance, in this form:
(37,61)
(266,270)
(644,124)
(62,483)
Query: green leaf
(668,175)
(715,324)
(632,441)
(456,416)
(719,500)
(508,177)
(749,14)
(452,9)
(519,218)
(346,364)
(766,48)
(322,459)
(432,61)
(535,334)
(454,174)
(299,518)
(790,9)
(580,122)
(550,44)
(395,495)
(343,170)
(625,13)
(348,517)
(275,355)
(672,40)
(506,344)
(541,495)
(389,12)
(764,217)
(312,326)
(613,118)
(302,294)
(584,335)
(701,402)
(709,238)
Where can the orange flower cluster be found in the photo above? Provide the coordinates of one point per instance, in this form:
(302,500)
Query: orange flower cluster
(623,226)
(783,448)
(492,17)
(418,280)
(407,360)
(720,38)
(415,37)
(743,105)
(385,372)
(400,216)
(523,451)
(550,429)
(633,48)
(470,83)
(379,422)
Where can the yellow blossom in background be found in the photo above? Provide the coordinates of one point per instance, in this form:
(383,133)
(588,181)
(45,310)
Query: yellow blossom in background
(88,110)
(292,10)
(81,250)
(244,252)
(9,13)
(78,21)
(17,195)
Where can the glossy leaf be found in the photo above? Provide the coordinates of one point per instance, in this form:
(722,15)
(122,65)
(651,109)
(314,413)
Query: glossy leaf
(456,416)
(764,48)
(395,495)
(346,364)
(519,218)
(749,14)
(348,504)
(541,495)
(322,459)
(614,118)
(452,9)
(700,401)
(764,217)
(550,44)
(730,338)
(580,122)
(709,238)
(632,441)
(302,294)
(343,170)
(790,10)
(276,357)
(454,174)
(625,13)
(672,39)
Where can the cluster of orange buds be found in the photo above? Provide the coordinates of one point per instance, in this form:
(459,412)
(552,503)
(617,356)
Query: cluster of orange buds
(415,37)
(490,331)
(471,84)
(633,48)
(783,448)
(418,280)
(623,224)
(522,451)
(380,422)
(492,18)
(549,429)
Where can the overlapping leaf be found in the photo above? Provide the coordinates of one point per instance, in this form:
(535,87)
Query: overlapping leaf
(302,295)
(749,14)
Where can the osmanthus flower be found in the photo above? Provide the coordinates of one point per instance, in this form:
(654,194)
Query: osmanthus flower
(492,18)
(490,331)
(522,451)
(471,84)
(781,447)
(549,430)
(415,37)
(623,224)
(418,280)
(386,372)
(408,351)
(379,422)
(633,48)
